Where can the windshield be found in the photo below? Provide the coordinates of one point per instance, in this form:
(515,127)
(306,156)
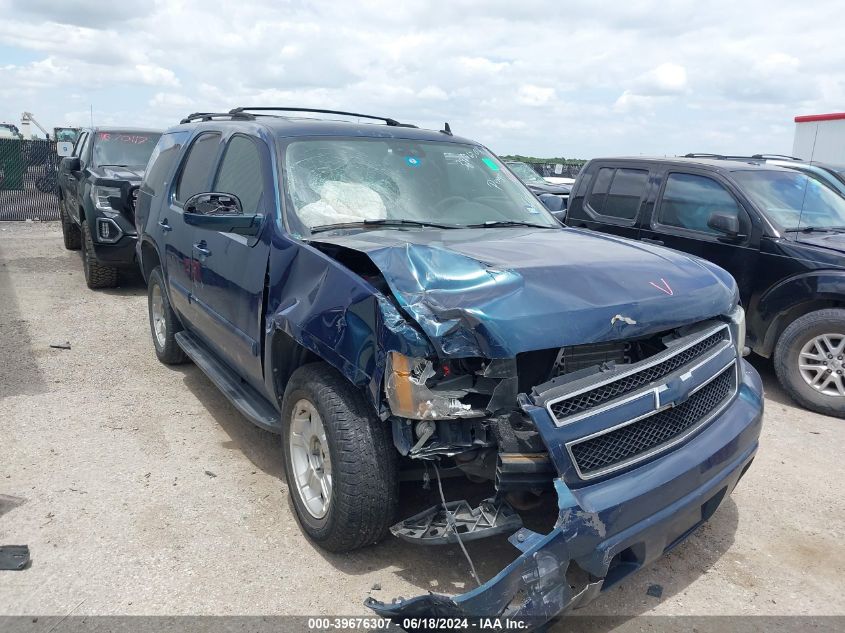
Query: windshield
(526,174)
(358,181)
(124,148)
(793,199)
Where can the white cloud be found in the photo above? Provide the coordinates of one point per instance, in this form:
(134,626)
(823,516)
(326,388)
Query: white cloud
(580,78)
(666,79)
(532,95)
(156,75)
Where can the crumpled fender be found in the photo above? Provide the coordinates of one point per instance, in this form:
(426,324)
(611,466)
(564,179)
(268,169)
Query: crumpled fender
(334,313)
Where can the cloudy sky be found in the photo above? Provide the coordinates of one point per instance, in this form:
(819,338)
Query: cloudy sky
(553,78)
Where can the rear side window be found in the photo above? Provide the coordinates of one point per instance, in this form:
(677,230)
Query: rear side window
(688,202)
(196,172)
(240,173)
(161,160)
(617,192)
(601,185)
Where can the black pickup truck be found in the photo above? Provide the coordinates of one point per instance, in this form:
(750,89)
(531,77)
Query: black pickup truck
(96,182)
(780,232)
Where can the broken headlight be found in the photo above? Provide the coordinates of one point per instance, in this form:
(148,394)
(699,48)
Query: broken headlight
(737,317)
(412,392)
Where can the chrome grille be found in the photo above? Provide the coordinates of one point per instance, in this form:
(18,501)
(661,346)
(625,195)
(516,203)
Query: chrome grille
(616,447)
(586,400)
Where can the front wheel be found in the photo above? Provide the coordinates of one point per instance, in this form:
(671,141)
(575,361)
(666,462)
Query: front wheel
(340,463)
(810,361)
(70,232)
(96,275)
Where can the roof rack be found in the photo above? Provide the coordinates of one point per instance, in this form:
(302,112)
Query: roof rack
(387,120)
(734,157)
(777,156)
(211,116)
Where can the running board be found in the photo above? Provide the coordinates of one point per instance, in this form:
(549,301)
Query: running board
(255,407)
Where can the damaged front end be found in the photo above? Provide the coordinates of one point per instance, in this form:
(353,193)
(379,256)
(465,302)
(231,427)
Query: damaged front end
(640,440)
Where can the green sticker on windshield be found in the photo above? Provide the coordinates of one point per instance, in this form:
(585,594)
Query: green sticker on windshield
(490,163)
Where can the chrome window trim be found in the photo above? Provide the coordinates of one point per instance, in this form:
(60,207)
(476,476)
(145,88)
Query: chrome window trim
(661,447)
(654,360)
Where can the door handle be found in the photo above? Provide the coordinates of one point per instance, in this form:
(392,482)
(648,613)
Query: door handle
(165,226)
(201,249)
(652,241)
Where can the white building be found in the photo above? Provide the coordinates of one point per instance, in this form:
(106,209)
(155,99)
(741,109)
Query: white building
(820,137)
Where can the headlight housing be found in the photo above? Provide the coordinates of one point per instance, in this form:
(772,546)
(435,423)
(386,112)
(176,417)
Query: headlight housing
(410,397)
(737,317)
(100,196)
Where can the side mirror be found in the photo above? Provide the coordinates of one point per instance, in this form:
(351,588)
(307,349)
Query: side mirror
(64,148)
(71,163)
(725,223)
(553,203)
(220,212)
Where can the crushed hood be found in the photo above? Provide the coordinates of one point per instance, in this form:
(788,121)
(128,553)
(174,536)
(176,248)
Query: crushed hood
(497,292)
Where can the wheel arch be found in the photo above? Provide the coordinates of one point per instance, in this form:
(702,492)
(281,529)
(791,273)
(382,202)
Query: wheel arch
(149,258)
(791,299)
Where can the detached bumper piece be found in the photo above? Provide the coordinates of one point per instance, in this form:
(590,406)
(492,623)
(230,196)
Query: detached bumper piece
(434,527)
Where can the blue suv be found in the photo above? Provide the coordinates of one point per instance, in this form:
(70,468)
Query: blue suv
(382,295)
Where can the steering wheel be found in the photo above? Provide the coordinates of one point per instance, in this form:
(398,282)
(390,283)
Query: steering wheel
(450,199)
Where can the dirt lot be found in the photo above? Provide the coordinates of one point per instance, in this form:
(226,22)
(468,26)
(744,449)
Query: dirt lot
(140,490)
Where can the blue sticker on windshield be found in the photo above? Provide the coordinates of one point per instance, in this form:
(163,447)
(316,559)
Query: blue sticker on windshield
(490,163)
(531,209)
(412,161)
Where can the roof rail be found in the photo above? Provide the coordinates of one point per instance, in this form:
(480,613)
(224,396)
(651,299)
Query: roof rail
(703,155)
(777,156)
(387,120)
(210,116)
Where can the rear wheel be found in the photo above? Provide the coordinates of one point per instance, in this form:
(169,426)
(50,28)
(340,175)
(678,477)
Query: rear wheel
(810,361)
(96,275)
(340,463)
(70,232)
(164,324)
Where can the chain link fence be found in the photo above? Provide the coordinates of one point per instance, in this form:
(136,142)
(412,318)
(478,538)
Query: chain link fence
(29,185)
(549,170)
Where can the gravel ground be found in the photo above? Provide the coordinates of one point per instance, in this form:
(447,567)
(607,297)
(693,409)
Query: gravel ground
(140,490)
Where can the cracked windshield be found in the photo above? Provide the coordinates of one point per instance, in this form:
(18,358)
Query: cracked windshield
(357,182)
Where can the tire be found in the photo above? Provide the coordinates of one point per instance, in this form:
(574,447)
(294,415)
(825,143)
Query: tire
(363,462)
(70,232)
(96,275)
(165,345)
(803,335)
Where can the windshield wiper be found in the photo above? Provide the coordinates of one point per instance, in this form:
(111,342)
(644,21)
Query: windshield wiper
(495,223)
(384,222)
(816,229)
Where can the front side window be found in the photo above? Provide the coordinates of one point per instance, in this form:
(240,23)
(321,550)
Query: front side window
(124,149)
(688,202)
(77,149)
(349,181)
(240,173)
(617,193)
(196,172)
(794,200)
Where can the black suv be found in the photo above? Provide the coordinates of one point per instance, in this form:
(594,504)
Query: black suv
(95,185)
(778,231)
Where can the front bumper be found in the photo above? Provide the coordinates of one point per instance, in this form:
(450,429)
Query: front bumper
(114,253)
(610,529)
